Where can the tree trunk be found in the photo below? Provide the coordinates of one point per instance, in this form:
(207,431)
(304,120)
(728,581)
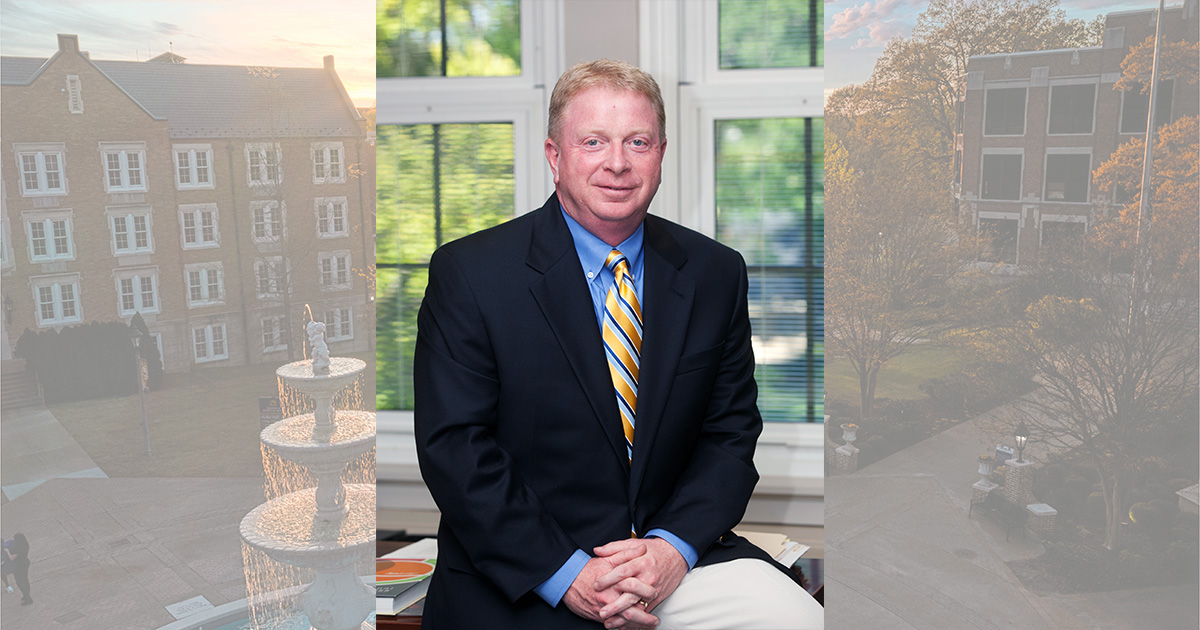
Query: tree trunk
(1116,515)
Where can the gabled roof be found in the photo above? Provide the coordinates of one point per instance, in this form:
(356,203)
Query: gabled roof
(168,57)
(207,101)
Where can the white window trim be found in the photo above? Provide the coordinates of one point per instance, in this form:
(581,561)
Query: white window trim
(128,213)
(136,274)
(1046,170)
(1094,81)
(331,326)
(192,150)
(208,342)
(1121,110)
(6,255)
(269,207)
(1024,110)
(325,147)
(277,273)
(1002,151)
(197,209)
(264,148)
(325,202)
(39,150)
(337,286)
(124,149)
(47,219)
(56,281)
(278,332)
(204,269)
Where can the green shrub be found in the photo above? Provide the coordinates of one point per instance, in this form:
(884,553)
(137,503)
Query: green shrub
(81,362)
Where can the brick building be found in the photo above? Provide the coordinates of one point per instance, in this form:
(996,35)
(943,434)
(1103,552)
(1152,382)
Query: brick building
(217,201)
(1033,126)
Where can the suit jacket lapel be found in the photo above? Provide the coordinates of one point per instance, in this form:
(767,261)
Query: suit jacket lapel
(667,296)
(563,297)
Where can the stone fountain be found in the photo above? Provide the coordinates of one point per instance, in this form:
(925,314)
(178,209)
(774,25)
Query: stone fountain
(329,528)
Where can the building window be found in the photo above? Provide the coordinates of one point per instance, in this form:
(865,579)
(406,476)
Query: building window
(273,334)
(74,94)
(204,284)
(266,221)
(1071,108)
(199,223)
(335,270)
(1000,238)
(331,217)
(339,325)
(42,169)
(1004,112)
(5,245)
(57,299)
(1001,176)
(1062,235)
(208,343)
(482,38)
(193,166)
(124,169)
(262,164)
(1067,177)
(131,233)
(50,238)
(268,273)
(137,291)
(328,158)
(1135,108)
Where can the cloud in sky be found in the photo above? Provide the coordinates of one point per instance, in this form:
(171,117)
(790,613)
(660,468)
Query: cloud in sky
(875,17)
(879,34)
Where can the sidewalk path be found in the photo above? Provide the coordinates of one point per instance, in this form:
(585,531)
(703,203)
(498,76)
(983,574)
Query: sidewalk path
(34,448)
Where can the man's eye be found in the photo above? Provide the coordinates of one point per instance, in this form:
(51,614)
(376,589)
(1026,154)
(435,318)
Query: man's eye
(593,142)
(639,143)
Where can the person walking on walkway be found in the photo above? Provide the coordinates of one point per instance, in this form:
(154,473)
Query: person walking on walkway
(6,565)
(20,561)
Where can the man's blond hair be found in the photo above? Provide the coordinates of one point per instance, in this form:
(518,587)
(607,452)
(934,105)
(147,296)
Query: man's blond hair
(614,75)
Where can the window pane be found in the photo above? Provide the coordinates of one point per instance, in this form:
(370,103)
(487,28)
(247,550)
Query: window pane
(435,183)
(770,207)
(1001,177)
(770,34)
(1071,108)
(1005,112)
(447,38)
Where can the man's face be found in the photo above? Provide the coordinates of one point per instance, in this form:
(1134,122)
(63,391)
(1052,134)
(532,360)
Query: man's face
(607,162)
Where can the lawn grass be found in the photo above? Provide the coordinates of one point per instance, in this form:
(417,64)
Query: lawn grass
(898,380)
(202,424)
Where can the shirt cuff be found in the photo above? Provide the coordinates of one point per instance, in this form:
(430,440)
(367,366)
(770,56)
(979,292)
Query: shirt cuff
(553,589)
(687,551)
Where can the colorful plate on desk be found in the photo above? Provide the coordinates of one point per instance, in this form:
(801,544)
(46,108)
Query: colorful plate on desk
(395,571)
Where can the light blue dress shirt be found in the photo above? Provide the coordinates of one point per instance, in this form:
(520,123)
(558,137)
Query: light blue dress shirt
(592,254)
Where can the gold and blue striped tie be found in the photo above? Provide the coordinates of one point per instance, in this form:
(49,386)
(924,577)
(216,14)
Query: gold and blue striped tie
(622,334)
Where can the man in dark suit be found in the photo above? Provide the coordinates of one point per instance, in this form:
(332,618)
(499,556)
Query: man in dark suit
(585,399)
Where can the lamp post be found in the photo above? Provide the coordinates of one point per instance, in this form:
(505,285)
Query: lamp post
(1022,436)
(140,369)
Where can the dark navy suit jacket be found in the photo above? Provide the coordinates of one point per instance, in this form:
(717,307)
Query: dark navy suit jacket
(518,434)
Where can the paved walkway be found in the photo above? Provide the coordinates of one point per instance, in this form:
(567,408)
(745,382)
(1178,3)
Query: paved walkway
(902,554)
(36,448)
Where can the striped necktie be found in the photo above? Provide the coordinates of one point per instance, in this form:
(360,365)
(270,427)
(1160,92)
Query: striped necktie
(623,342)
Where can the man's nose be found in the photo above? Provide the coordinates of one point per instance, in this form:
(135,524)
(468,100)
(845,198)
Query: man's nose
(616,160)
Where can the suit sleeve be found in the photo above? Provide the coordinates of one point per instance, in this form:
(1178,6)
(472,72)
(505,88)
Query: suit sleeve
(508,535)
(711,495)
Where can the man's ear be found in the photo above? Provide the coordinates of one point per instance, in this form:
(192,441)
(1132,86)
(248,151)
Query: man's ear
(552,154)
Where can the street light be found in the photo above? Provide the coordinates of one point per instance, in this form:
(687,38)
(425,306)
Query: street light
(1022,435)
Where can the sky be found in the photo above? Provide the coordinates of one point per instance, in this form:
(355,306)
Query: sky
(856,32)
(279,33)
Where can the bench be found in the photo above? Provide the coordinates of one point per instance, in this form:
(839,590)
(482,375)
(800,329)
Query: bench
(1008,514)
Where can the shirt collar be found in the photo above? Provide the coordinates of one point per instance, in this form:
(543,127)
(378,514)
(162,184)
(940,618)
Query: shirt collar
(593,251)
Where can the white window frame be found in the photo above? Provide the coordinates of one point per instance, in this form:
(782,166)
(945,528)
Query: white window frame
(192,151)
(263,150)
(1021,172)
(123,151)
(210,343)
(1121,113)
(321,174)
(274,217)
(128,216)
(48,221)
(137,276)
(1005,85)
(335,318)
(197,210)
(205,271)
(1067,151)
(1093,81)
(55,284)
(327,204)
(74,94)
(277,331)
(1060,218)
(273,267)
(322,257)
(39,151)
(6,256)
